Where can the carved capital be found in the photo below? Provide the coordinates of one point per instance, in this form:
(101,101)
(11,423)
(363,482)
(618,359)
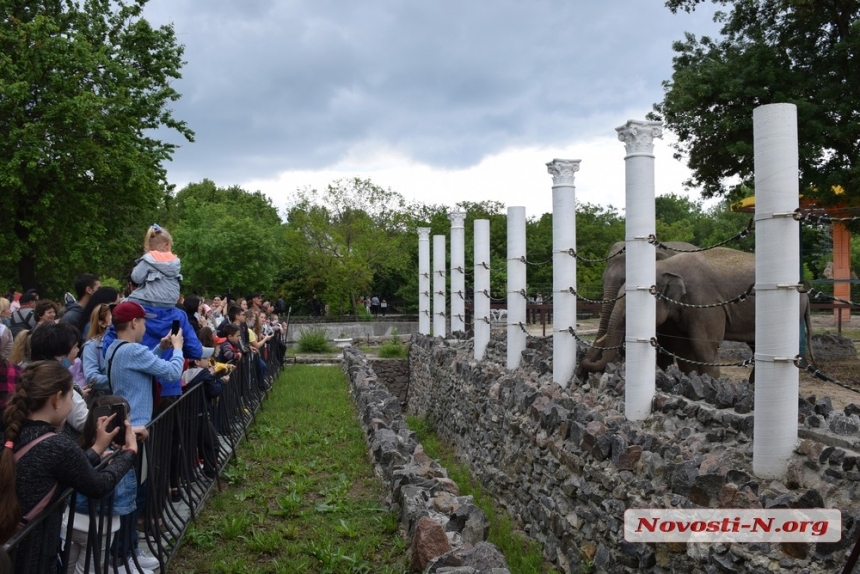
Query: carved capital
(423,234)
(638,136)
(562,171)
(458,218)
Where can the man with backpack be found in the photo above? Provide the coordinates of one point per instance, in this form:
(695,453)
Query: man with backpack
(23,318)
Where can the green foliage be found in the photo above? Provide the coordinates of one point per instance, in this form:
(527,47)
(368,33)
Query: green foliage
(340,241)
(227,238)
(394,347)
(771,51)
(313,341)
(83,87)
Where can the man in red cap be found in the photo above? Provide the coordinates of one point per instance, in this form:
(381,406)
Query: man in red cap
(131,367)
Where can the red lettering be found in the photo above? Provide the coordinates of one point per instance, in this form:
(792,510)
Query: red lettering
(759,523)
(649,527)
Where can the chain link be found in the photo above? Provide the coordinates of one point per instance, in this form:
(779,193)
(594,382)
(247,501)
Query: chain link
(663,351)
(750,228)
(801,364)
(590,344)
(579,297)
(573,253)
(739,299)
(802,216)
(816,293)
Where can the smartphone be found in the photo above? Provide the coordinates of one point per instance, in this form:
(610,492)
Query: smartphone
(174,328)
(118,420)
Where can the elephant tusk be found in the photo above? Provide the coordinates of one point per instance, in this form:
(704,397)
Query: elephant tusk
(600,340)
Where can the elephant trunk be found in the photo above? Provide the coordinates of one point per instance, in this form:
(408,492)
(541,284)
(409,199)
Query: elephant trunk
(615,330)
(610,291)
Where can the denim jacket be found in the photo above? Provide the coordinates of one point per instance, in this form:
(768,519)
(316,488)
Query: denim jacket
(124,497)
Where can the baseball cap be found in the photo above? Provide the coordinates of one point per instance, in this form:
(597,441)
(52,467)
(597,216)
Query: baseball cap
(28,296)
(128,311)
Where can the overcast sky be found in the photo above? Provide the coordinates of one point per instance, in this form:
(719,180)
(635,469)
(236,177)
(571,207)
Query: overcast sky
(439,100)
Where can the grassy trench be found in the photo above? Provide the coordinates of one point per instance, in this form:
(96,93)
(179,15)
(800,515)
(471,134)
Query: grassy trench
(523,555)
(301,496)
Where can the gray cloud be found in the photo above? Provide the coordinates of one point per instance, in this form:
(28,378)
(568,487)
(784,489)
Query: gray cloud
(277,85)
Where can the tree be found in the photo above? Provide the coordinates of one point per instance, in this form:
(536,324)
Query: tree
(227,239)
(82,87)
(805,52)
(345,238)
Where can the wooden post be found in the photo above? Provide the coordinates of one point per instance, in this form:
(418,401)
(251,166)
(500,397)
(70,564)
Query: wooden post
(841,270)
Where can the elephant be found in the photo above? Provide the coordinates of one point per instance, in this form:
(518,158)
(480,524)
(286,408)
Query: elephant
(708,277)
(613,280)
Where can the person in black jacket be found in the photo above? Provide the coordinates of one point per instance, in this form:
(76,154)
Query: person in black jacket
(40,404)
(200,372)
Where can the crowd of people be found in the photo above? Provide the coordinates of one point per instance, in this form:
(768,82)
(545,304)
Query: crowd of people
(69,372)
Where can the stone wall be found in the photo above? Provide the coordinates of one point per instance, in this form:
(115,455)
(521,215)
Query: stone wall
(394,374)
(566,463)
(446,532)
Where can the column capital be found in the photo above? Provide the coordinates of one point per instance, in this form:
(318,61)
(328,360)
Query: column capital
(562,171)
(458,218)
(638,136)
(423,234)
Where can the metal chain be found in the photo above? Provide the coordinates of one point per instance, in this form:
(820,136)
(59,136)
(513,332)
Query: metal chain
(744,363)
(590,344)
(520,292)
(739,299)
(802,216)
(573,253)
(801,364)
(527,262)
(520,325)
(750,228)
(573,291)
(817,293)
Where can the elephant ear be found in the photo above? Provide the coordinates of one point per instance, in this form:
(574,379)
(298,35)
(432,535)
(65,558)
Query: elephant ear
(673,286)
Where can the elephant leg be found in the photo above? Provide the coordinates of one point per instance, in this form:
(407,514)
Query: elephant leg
(703,351)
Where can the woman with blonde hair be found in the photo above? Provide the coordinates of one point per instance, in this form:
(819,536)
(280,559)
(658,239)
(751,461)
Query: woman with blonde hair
(20,354)
(93,352)
(37,464)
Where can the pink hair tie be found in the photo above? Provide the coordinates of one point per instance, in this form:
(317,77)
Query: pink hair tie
(9,444)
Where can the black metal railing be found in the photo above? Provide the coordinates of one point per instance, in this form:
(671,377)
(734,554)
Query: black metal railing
(179,466)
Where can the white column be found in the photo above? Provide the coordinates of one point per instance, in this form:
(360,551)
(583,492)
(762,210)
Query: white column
(439,315)
(458,272)
(424,280)
(777,299)
(481,318)
(563,268)
(516,285)
(638,137)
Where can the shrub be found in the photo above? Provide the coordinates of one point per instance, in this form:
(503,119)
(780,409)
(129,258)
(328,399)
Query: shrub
(313,341)
(394,348)
(362,314)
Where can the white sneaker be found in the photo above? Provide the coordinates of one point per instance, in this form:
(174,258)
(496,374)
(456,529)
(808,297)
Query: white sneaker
(146,560)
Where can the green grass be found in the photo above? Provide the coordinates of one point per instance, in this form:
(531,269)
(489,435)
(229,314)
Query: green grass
(523,555)
(301,496)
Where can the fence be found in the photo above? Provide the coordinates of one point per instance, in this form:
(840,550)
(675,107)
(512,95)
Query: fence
(179,465)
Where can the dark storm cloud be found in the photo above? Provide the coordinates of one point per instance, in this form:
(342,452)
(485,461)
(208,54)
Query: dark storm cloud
(277,85)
